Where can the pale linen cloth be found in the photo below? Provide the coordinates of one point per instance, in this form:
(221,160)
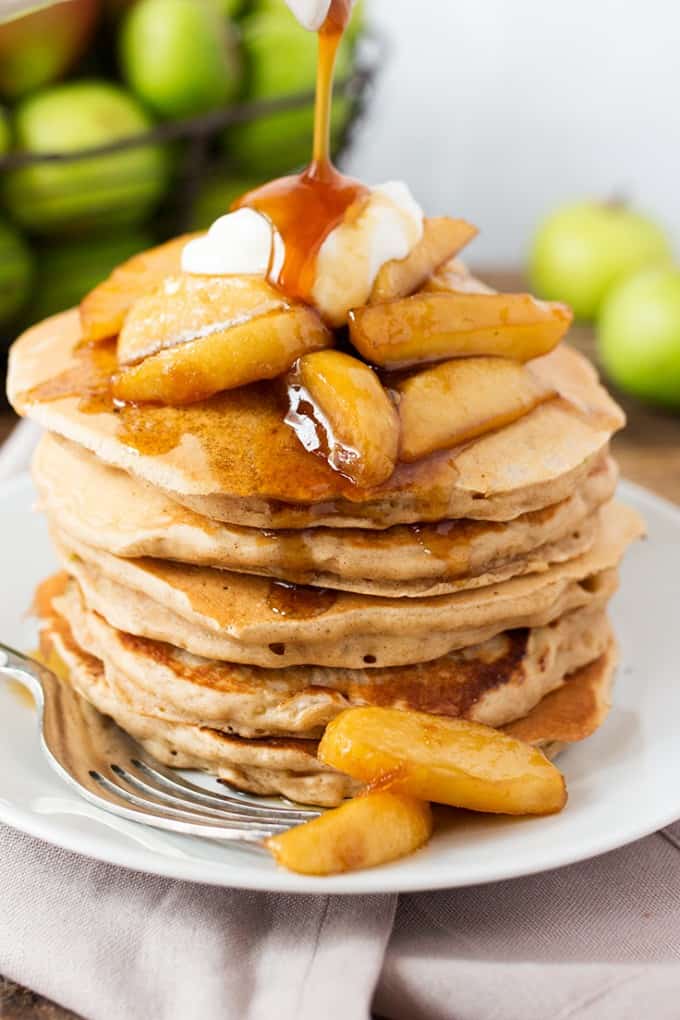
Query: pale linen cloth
(596,941)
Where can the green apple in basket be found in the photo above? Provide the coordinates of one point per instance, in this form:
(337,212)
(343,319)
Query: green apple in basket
(5,133)
(583,249)
(216,196)
(232,8)
(180,56)
(67,196)
(16,272)
(281,61)
(639,335)
(39,47)
(68,269)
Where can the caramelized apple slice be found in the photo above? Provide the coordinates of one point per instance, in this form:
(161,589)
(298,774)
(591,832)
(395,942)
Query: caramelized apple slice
(431,327)
(442,238)
(261,348)
(188,307)
(460,399)
(103,310)
(371,829)
(454,276)
(338,408)
(450,761)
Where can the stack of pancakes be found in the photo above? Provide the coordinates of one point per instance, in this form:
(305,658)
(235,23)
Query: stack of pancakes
(226,593)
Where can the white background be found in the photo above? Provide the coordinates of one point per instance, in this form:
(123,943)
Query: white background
(497,110)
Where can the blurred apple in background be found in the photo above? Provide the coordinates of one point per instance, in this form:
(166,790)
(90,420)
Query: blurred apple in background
(232,8)
(278,142)
(216,196)
(180,56)
(38,48)
(639,335)
(16,272)
(582,250)
(5,133)
(118,187)
(67,270)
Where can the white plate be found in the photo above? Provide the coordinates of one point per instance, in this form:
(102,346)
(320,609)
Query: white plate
(623,782)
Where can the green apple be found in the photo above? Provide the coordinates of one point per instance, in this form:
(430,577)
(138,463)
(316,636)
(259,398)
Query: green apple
(582,250)
(231,8)
(639,335)
(67,270)
(216,196)
(16,272)
(180,56)
(37,48)
(281,59)
(5,133)
(357,22)
(117,187)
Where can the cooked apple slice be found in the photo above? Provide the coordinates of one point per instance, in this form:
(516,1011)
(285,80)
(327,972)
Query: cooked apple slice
(103,310)
(431,327)
(449,761)
(442,238)
(261,348)
(454,276)
(371,829)
(460,399)
(188,307)
(339,409)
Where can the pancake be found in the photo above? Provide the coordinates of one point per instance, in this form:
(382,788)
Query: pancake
(574,711)
(240,618)
(290,767)
(109,509)
(233,459)
(492,683)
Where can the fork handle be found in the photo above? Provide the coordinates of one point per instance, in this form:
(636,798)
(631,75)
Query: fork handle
(24,670)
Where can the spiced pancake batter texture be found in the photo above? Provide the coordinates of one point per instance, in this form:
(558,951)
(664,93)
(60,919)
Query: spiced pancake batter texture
(306,462)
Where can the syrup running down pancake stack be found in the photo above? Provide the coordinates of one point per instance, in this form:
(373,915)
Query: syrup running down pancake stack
(226,592)
(258,530)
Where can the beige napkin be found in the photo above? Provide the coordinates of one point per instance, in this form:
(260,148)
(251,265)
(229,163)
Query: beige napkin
(596,941)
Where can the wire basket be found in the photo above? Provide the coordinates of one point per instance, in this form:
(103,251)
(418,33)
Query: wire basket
(87,208)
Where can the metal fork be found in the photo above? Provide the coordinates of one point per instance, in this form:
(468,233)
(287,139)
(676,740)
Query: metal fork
(110,769)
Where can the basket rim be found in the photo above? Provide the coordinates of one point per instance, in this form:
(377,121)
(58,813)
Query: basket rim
(205,124)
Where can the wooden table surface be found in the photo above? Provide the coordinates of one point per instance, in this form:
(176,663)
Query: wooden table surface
(648,451)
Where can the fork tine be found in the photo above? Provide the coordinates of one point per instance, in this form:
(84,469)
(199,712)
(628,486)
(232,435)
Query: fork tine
(111,770)
(185,803)
(161,811)
(286,811)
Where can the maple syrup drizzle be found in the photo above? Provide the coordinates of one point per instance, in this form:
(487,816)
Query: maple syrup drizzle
(299,601)
(306,207)
(89,379)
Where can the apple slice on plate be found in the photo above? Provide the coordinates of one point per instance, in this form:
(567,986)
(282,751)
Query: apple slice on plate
(370,829)
(449,761)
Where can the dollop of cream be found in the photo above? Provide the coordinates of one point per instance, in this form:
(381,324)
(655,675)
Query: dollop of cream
(240,243)
(386,224)
(310,13)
